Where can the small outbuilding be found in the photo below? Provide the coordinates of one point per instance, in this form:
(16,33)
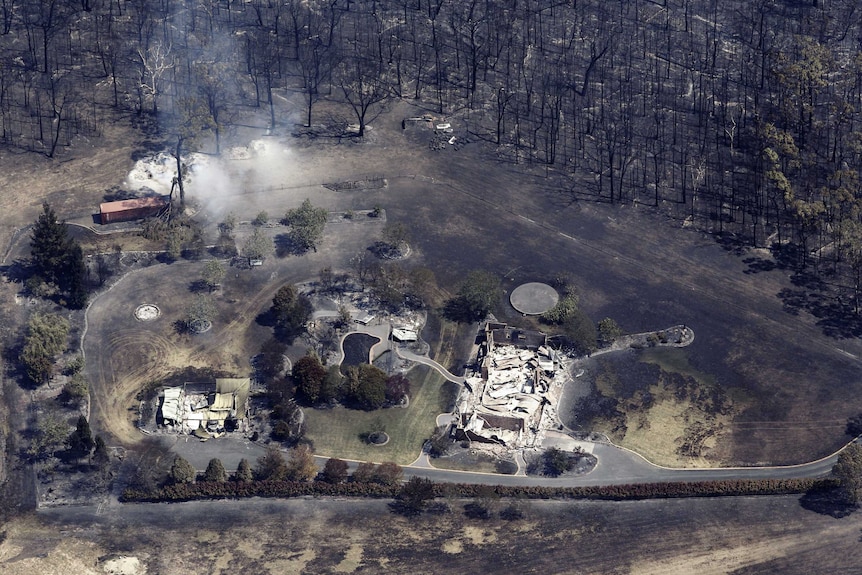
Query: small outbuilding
(131,209)
(404,335)
(363,317)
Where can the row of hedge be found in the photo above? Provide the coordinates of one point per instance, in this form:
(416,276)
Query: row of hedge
(655,490)
(239,489)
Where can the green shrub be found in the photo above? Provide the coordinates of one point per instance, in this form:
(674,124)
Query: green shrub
(75,366)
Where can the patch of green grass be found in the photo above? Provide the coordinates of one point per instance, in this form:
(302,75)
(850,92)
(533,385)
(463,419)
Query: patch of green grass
(336,432)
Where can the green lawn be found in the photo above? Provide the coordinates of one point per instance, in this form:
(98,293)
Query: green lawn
(336,432)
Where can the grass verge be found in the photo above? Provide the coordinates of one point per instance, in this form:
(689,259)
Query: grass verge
(479,462)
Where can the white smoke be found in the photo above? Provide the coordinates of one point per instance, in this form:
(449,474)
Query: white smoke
(218,185)
(150,175)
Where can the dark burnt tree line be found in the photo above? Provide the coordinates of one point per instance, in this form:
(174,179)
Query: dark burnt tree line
(741,115)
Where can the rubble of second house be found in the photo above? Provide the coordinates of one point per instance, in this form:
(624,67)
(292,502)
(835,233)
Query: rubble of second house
(510,400)
(203,410)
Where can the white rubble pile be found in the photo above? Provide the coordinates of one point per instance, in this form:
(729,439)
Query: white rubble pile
(519,394)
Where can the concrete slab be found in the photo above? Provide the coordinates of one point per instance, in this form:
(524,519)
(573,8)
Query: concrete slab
(533,298)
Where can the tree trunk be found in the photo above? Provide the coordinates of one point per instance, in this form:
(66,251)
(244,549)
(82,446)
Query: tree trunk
(56,136)
(178,156)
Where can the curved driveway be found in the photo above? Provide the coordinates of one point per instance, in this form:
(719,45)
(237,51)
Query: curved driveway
(615,465)
(409,355)
(618,466)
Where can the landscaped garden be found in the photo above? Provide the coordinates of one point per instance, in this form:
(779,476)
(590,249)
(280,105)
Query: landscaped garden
(343,432)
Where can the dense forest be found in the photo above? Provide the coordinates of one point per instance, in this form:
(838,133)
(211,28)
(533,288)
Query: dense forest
(742,116)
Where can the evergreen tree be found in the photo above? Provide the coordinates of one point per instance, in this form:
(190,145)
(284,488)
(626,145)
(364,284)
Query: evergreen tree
(80,441)
(270,361)
(49,245)
(848,471)
(301,466)
(57,258)
(414,495)
(366,386)
(38,364)
(309,374)
(334,471)
(182,471)
(581,331)
(46,337)
(50,432)
(75,390)
(73,276)
(215,471)
(213,274)
(479,292)
(258,245)
(364,472)
(330,389)
(307,224)
(101,458)
(243,471)
(608,331)
(271,465)
(388,473)
(556,461)
(291,310)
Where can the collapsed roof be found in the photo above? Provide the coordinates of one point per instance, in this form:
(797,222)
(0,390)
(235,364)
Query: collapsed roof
(192,409)
(506,401)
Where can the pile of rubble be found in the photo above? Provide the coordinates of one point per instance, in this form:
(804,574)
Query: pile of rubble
(510,399)
(202,409)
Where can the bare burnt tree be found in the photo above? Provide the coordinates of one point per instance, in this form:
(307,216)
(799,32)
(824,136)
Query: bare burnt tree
(362,74)
(262,67)
(62,99)
(154,62)
(315,52)
(44,22)
(215,89)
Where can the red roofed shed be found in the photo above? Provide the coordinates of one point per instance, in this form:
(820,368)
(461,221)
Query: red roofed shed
(133,209)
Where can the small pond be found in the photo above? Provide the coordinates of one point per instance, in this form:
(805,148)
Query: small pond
(357,348)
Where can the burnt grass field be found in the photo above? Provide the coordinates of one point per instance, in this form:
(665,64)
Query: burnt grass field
(744,535)
(795,386)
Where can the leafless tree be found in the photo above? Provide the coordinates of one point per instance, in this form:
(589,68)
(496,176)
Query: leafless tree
(154,62)
(362,75)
